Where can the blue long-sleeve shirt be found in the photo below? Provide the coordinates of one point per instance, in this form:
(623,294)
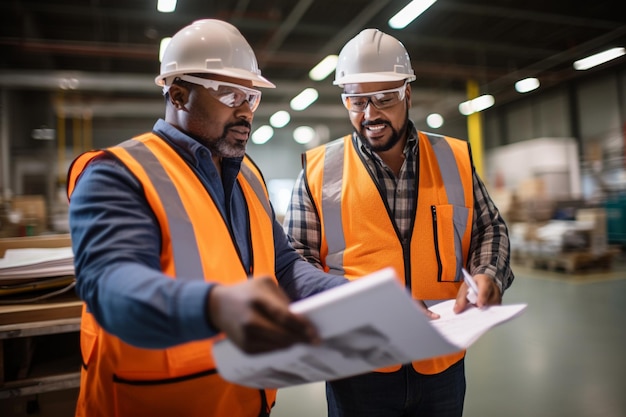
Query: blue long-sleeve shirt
(117,246)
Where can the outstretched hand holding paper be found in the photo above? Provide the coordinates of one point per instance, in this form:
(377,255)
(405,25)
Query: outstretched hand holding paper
(366,324)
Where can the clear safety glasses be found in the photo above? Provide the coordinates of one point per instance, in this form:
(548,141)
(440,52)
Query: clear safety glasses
(232,95)
(380,99)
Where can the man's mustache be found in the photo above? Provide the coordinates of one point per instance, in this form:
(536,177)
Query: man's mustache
(243,123)
(375,122)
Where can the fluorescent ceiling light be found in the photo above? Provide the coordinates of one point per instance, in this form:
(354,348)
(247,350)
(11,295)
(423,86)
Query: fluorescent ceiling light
(483,102)
(69,83)
(304,134)
(465,108)
(478,104)
(599,58)
(304,99)
(434,120)
(409,13)
(324,68)
(162,46)
(526,85)
(262,134)
(166,6)
(280,119)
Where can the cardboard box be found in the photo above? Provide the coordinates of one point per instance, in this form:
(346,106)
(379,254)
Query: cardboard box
(531,189)
(33,213)
(596,218)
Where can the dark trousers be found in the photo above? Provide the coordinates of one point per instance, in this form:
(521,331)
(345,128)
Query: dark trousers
(404,393)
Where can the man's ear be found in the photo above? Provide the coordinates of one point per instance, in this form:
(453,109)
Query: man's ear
(179,96)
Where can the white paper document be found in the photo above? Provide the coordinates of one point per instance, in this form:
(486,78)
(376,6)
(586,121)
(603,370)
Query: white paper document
(36,263)
(364,325)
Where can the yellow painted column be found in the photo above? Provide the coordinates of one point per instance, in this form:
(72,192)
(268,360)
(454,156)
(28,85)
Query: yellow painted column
(475,129)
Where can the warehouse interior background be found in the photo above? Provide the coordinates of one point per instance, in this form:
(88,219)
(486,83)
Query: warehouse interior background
(80,74)
(77,75)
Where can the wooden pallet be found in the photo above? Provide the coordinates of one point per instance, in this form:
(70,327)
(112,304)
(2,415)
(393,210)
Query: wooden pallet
(570,262)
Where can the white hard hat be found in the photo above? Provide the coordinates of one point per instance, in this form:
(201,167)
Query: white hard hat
(213,47)
(373,56)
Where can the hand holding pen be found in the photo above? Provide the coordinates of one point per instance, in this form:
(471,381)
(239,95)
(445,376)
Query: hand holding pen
(472,287)
(479,290)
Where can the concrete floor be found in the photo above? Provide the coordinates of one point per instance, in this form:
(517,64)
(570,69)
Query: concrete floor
(564,356)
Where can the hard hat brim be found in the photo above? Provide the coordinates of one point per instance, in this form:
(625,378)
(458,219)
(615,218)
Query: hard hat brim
(257,79)
(372,78)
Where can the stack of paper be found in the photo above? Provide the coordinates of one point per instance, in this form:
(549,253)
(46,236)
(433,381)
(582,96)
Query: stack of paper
(364,325)
(36,263)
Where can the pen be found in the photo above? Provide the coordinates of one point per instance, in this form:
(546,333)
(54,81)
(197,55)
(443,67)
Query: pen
(472,290)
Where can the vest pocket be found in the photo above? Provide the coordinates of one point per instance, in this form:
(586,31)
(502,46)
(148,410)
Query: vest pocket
(449,223)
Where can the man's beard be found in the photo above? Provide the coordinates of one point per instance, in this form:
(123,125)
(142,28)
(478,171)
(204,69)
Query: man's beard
(393,140)
(228,149)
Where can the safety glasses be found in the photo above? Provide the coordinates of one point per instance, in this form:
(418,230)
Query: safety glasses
(380,99)
(232,95)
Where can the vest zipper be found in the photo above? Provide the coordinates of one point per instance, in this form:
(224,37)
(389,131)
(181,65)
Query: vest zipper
(265,410)
(433,211)
(406,256)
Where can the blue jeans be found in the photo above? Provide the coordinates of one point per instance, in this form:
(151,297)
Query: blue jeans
(404,393)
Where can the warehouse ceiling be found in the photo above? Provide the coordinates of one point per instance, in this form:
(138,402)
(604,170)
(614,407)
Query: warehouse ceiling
(111,46)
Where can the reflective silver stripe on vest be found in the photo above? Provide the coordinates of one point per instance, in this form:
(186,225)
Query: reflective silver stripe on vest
(331,206)
(257,187)
(448,168)
(455,192)
(187,262)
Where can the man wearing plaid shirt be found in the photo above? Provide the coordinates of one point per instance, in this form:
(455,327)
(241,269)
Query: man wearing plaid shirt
(391,195)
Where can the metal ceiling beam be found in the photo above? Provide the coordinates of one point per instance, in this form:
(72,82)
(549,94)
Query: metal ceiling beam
(279,36)
(304,60)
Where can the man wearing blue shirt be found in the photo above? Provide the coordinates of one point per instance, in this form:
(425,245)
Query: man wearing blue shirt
(176,241)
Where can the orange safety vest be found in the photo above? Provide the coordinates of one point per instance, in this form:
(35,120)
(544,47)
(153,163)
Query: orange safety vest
(358,236)
(118,379)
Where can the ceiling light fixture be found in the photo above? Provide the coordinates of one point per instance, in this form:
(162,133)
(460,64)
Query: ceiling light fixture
(262,134)
(303,134)
(434,120)
(526,85)
(166,6)
(409,13)
(69,83)
(280,119)
(475,105)
(599,58)
(325,67)
(304,99)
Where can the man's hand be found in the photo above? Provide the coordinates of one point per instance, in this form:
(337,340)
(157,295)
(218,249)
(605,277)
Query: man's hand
(431,315)
(255,316)
(488,293)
